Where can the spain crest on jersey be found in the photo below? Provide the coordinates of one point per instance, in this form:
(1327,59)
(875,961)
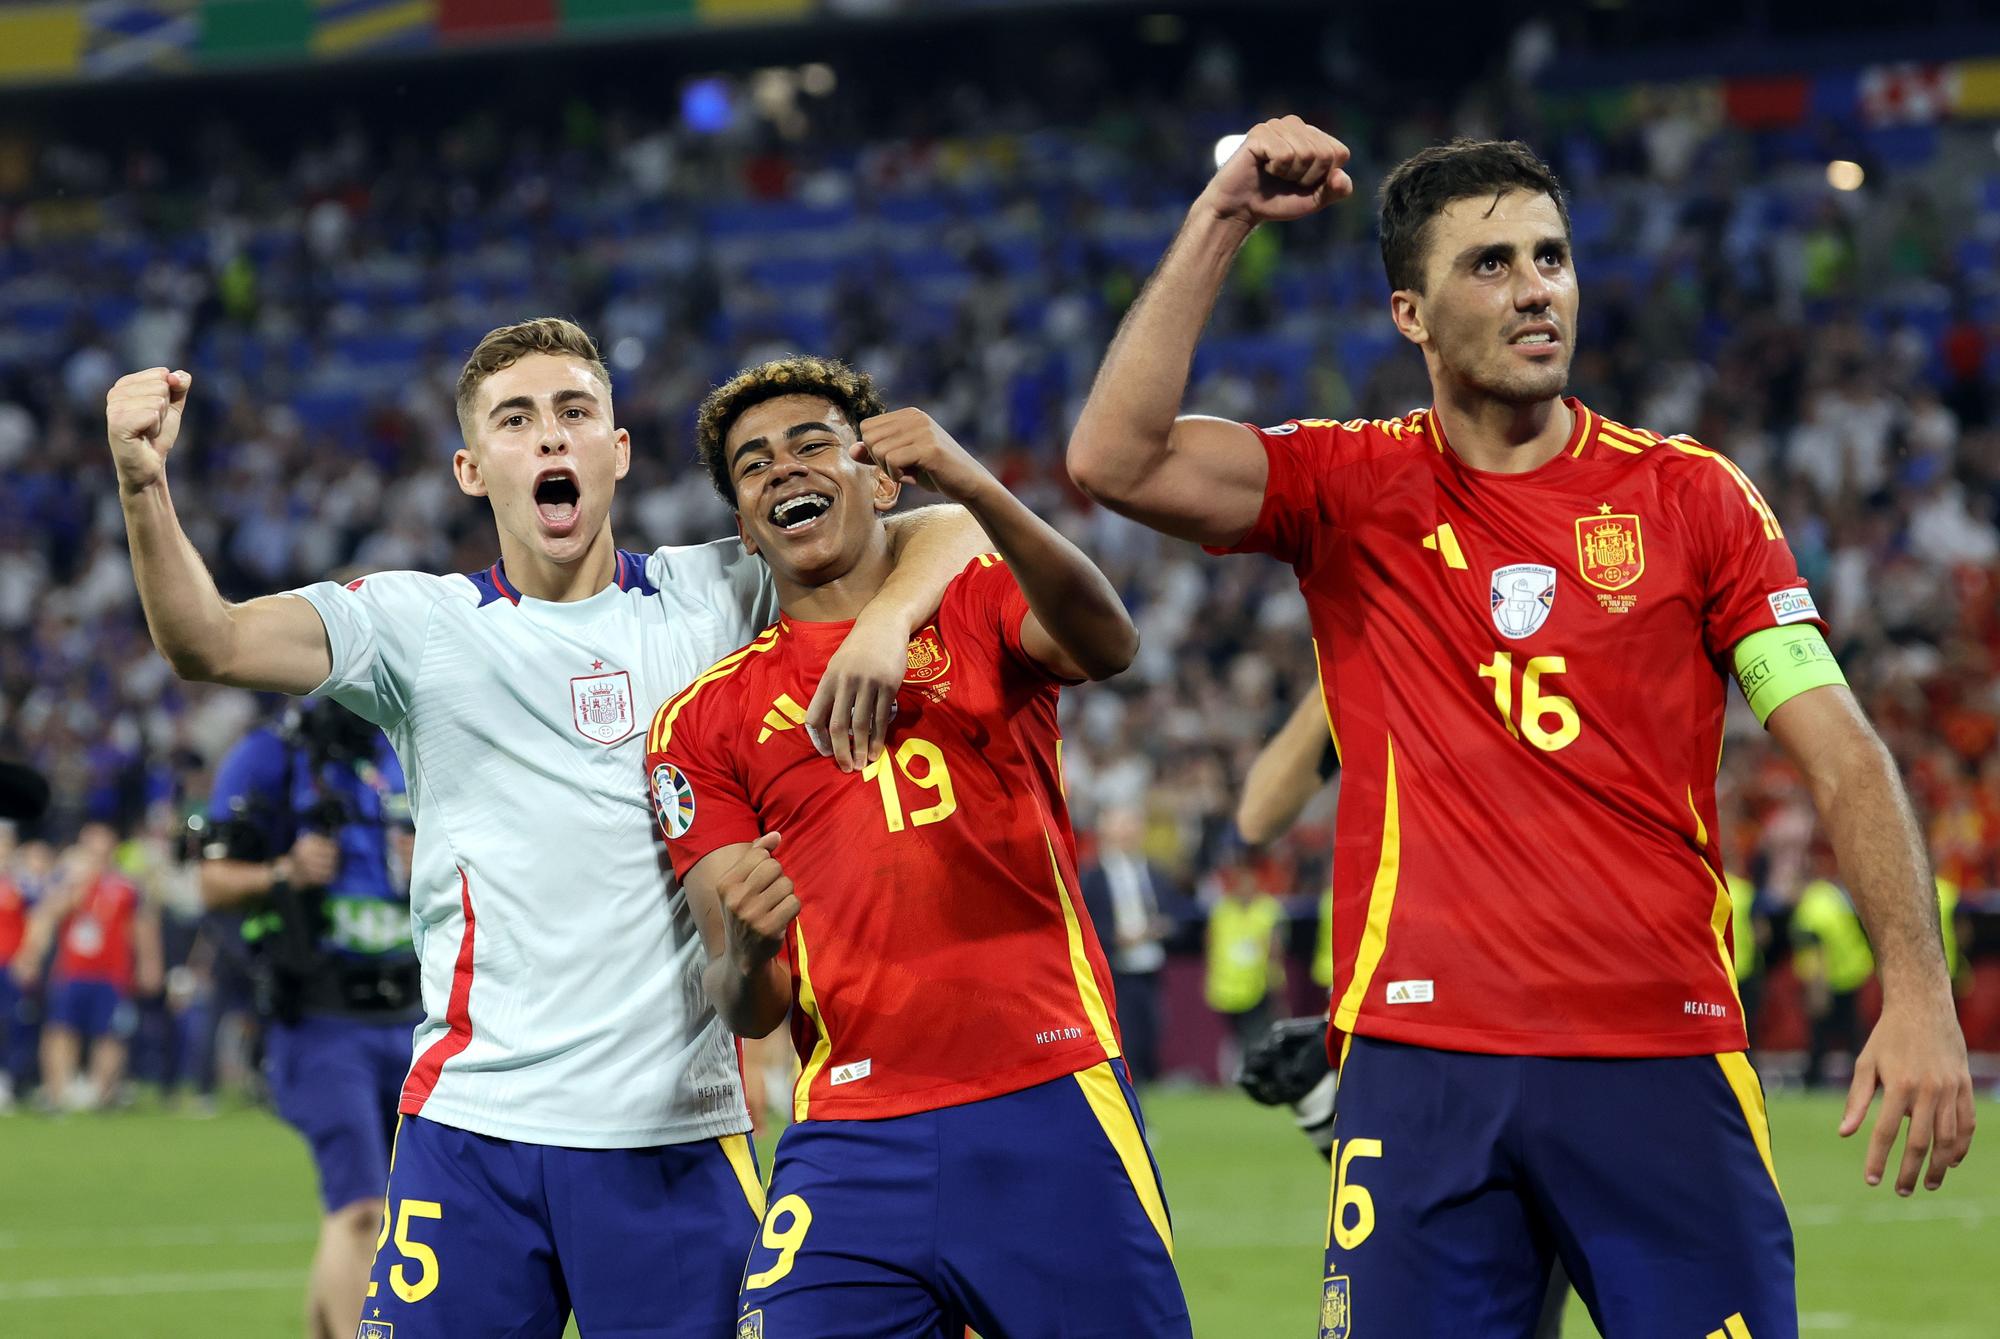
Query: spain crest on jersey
(376,1329)
(1336,1315)
(1609,550)
(929,661)
(751,1326)
(673,800)
(601,706)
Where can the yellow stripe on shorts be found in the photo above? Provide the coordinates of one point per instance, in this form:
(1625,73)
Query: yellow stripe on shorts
(736,1147)
(1750,1096)
(1107,1102)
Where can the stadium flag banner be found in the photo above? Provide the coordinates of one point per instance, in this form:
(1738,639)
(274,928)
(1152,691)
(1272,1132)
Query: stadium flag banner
(156,36)
(488,20)
(1975,88)
(1906,93)
(588,15)
(41,42)
(343,27)
(1766,104)
(233,31)
(739,11)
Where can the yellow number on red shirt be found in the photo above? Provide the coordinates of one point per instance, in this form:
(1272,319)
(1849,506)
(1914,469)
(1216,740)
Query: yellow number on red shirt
(1535,704)
(934,776)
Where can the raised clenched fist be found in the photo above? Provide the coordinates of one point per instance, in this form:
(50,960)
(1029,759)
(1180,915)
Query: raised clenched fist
(1284,169)
(758,904)
(910,446)
(142,416)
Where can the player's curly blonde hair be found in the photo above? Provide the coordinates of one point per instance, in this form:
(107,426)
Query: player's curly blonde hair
(853,393)
(506,345)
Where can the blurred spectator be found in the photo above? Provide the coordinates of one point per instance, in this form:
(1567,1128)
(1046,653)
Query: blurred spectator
(13,929)
(107,951)
(1246,961)
(1127,897)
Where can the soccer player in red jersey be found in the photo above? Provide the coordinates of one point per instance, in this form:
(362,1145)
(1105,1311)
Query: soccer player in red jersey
(967,1148)
(1525,615)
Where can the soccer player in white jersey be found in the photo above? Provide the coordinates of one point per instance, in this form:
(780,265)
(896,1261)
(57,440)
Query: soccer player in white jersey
(573,1130)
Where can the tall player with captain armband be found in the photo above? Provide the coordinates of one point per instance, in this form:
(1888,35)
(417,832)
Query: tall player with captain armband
(1526,615)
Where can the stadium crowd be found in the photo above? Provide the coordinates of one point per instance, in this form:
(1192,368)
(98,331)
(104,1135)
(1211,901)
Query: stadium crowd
(1841,346)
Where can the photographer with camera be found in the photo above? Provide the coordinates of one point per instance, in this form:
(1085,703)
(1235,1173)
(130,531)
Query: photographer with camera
(307,822)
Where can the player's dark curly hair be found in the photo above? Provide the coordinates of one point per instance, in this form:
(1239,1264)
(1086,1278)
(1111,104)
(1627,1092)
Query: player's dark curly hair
(1422,185)
(852,393)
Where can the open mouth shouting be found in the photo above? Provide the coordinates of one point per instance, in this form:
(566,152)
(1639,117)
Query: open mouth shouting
(800,512)
(557,498)
(1540,337)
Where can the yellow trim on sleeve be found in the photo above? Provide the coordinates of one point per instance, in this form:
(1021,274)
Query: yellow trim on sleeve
(1750,1096)
(1079,962)
(823,1043)
(1381,901)
(663,719)
(1107,1103)
(736,1148)
(1769,519)
(1775,665)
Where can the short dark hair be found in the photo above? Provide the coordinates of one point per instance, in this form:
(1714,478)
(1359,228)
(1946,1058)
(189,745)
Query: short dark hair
(1423,184)
(852,393)
(501,348)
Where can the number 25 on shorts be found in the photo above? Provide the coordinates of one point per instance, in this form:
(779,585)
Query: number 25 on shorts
(425,1259)
(785,1240)
(1350,1214)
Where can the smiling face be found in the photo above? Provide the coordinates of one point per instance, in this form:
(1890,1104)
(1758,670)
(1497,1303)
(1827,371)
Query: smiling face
(802,501)
(1497,312)
(542,449)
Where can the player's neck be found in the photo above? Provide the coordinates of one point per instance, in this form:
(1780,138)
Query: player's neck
(843,597)
(539,577)
(1489,434)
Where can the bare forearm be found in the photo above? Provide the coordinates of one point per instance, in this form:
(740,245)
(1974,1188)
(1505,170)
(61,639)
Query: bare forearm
(1882,860)
(1285,775)
(751,1003)
(931,545)
(1126,424)
(1073,601)
(187,617)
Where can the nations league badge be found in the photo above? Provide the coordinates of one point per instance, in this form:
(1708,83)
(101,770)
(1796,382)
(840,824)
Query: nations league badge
(1522,594)
(673,800)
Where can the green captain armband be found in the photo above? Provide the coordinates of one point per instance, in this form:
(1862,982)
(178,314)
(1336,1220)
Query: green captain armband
(1777,664)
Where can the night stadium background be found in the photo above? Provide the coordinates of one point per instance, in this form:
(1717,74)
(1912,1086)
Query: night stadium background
(1787,230)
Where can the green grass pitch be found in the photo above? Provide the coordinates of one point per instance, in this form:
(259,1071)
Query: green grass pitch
(146,1225)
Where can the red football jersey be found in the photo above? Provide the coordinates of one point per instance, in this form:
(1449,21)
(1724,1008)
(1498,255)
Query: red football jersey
(1525,676)
(95,942)
(941,955)
(13,920)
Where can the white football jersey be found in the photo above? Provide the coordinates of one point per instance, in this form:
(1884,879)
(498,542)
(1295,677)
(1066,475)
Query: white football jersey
(561,966)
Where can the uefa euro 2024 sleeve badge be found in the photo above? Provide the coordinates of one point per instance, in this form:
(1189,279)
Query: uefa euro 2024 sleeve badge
(673,800)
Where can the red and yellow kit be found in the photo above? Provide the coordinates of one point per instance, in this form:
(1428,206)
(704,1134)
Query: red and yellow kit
(1525,677)
(941,955)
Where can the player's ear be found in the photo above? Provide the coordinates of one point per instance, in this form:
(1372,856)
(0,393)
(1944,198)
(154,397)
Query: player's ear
(1406,310)
(888,492)
(465,469)
(621,443)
